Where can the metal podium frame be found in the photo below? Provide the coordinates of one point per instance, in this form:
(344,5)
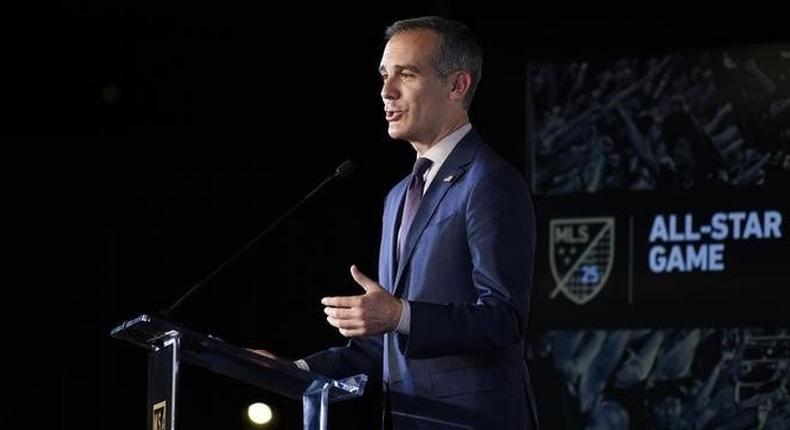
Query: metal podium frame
(170,344)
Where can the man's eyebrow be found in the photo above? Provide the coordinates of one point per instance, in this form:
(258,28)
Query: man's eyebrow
(400,68)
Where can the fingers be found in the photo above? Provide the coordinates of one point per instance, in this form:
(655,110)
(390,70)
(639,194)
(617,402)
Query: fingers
(356,315)
(345,324)
(342,302)
(343,313)
(348,328)
(352,333)
(361,278)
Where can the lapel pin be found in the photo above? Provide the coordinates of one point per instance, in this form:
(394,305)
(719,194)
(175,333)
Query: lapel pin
(449,178)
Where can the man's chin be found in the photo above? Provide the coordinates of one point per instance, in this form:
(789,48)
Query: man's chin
(394,133)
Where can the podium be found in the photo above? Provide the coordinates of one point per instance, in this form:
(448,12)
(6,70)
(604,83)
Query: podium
(170,344)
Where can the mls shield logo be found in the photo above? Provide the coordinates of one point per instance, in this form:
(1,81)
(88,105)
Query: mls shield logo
(581,253)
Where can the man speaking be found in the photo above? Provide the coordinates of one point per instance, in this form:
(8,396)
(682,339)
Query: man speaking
(444,324)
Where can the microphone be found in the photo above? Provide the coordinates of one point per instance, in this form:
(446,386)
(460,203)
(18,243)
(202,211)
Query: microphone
(343,170)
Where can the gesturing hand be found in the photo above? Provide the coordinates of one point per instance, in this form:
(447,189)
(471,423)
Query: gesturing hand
(374,312)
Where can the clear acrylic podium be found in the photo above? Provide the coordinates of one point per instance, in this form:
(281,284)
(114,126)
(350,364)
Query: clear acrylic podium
(170,344)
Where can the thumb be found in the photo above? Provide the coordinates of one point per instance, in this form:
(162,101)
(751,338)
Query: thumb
(360,278)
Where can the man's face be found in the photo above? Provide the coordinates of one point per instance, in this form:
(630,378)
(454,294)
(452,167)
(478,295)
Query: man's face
(416,100)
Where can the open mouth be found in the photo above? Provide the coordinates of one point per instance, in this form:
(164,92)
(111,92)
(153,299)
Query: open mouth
(393,115)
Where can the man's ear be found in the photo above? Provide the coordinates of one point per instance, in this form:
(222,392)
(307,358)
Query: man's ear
(461,82)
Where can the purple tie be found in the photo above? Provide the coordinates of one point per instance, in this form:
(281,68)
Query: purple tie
(413,198)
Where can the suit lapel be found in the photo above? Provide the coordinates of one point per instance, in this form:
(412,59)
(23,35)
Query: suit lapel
(391,224)
(453,168)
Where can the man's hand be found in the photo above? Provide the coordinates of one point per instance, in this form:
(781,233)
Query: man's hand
(372,313)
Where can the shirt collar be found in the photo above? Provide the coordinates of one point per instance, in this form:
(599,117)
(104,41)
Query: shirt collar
(439,152)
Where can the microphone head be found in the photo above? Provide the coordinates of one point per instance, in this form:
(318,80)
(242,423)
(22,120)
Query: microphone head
(345,169)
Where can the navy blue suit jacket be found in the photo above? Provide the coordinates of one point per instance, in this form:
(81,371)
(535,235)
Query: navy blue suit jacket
(467,274)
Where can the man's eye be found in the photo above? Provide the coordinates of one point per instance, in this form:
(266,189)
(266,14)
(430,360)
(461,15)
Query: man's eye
(407,75)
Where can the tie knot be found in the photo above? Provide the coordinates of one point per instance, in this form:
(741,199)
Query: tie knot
(421,166)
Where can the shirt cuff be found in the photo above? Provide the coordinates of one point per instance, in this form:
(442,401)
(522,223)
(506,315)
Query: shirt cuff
(302,365)
(404,325)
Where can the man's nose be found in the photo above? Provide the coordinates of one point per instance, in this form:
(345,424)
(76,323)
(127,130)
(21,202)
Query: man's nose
(388,90)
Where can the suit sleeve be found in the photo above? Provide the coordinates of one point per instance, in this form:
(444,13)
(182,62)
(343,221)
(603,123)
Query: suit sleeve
(359,355)
(500,234)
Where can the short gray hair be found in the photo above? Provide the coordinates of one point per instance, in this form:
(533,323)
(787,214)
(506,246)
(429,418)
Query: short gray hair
(458,48)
